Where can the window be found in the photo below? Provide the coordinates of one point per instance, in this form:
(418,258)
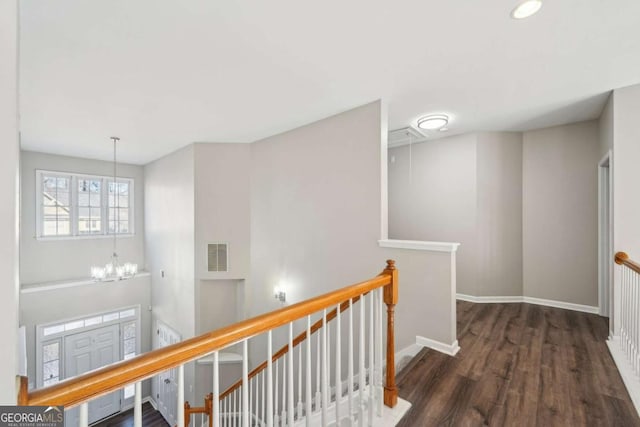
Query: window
(74,205)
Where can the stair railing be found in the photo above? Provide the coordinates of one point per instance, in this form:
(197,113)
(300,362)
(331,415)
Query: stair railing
(367,400)
(630,309)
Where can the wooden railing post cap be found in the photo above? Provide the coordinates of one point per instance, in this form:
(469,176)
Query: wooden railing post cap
(621,257)
(391,264)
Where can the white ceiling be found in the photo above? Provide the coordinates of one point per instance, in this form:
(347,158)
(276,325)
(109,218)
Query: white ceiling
(164,73)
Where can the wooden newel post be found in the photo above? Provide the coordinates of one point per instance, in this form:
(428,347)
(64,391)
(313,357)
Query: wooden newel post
(23,390)
(391,299)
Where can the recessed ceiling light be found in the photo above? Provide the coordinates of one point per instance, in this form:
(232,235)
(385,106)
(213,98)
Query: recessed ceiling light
(433,122)
(526,9)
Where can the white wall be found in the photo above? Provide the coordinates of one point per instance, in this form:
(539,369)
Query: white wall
(9,181)
(52,260)
(438,201)
(626,175)
(169,219)
(465,189)
(605,127)
(315,222)
(560,207)
(170,243)
(499,208)
(58,304)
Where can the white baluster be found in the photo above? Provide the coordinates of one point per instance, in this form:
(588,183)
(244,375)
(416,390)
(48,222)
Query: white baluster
(379,347)
(338,386)
(269,414)
(307,399)
(361,357)
(299,404)
(235,408)
(180,396)
(276,418)
(262,406)
(370,403)
(245,384)
(216,390)
(350,357)
(290,378)
(137,406)
(283,415)
(325,376)
(84,414)
(318,371)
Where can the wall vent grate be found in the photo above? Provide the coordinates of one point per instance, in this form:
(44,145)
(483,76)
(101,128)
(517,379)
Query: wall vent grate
(217,256)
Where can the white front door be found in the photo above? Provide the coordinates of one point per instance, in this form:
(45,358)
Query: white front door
(167,381)
(86,351)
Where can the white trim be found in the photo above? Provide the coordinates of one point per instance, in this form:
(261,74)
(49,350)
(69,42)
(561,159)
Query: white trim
(450,349)
(529,300)
(562,304)
(483,299)
(411,351)
(419,245)
(49,286)
(629,377)
(124,408)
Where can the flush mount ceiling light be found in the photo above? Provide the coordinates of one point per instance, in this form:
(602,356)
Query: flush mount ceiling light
(433,122)
(526,9)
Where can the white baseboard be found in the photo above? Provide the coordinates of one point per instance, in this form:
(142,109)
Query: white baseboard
(530,300)
(410,351)
(629,377)
(450,349)
(146,399)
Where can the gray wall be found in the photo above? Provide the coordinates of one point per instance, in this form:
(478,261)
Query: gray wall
(465,189)
(438,202)
(9,181)
(560,206)
(315,221)
(606,127)
(169,245)
(58,304)
(499,219)
(626,175)
(51,260)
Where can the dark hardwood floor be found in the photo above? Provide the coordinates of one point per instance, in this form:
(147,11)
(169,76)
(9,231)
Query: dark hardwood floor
(150,418)
(519,365)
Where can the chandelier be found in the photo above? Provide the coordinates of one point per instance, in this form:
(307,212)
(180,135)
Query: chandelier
(114,270)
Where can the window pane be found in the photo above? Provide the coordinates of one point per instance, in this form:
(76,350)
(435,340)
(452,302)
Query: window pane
(51,369)
(51,352)
(129,346)
(62,213)
(129,331)
(124,214)
(62,198)
(127,313)
(110,317)
(123,188)
(95,199)
(62,184)
(50,381)
(74,325)
(64,228)
(53,330)
(124,201)
(49,227)
(123,227)
(93,321)
(95,186)
(83,199)
(84,213)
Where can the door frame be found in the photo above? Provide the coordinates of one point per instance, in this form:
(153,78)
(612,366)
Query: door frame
(605,237)
(156,380)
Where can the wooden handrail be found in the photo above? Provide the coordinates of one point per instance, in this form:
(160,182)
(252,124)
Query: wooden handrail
(285,348)
(74,391)
(622,258)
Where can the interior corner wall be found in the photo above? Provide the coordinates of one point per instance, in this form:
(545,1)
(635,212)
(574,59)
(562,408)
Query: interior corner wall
(9,184)
(48,260)
(560,213)
(170,244)
(605,128)
(499,214)
(433,197)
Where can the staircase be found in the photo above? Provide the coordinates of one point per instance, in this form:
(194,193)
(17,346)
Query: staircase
(331,371)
